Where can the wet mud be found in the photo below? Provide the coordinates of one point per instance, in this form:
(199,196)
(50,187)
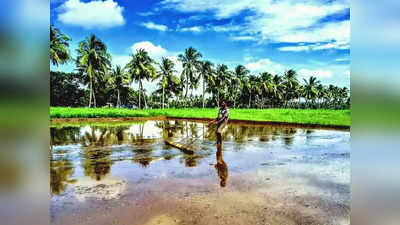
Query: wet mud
(126,174)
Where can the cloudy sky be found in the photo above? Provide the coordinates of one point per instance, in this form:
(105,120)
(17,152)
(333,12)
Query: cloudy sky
(310,36)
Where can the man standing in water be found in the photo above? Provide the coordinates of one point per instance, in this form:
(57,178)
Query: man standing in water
(221,121)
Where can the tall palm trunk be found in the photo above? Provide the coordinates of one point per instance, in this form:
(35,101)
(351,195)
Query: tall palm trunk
(94,98)
(249,100)
(218,99)
(118,99)
(203,92)
(163,90)
(187,87)
(90,92)
(144,97)
(140,90)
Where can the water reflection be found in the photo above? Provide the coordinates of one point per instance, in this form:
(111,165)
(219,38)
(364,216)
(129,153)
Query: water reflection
(222,168)
(97,148)
(60,174)
(96,163)
(287,135)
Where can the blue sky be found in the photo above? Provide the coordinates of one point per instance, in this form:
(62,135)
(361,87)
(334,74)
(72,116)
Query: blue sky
(310,36)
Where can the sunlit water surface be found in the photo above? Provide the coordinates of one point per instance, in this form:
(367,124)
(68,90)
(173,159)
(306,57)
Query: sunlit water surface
(125,173)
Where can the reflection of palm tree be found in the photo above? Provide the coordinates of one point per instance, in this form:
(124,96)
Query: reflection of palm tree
(288,135)
(191,160)
(63,136)
(144,160)
(91,139)
(96,163)
(107,136)
(60,171)
(193,130)
(210,133)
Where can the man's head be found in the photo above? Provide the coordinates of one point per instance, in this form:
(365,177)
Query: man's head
(224,104)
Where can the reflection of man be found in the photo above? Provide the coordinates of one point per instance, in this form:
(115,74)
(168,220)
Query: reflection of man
(222,168)
(221,121)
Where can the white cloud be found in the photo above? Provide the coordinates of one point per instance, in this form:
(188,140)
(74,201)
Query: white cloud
(342,59)
(243,38)
(146,13)
(195,29)
(317,46)
(315,73)
(339,32)
(248,58)
(178,64)
(294,48)
(155,51)
(153,26)
(226,28)
(278,21)
(94,14)
(120,60)
(265,65)
(222,8)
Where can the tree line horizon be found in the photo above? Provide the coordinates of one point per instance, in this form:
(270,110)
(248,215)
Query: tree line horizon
(96,83)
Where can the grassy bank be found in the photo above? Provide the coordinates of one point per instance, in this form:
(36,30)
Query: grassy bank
(308,116)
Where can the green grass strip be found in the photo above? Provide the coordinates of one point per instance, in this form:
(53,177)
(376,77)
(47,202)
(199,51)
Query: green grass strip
(302,116)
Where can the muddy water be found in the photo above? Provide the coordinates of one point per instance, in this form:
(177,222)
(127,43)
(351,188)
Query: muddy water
(126,174)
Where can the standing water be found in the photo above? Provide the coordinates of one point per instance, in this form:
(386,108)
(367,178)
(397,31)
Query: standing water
(126,173)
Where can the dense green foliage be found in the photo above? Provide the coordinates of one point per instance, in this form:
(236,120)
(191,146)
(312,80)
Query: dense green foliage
(65,89)
(242,89)
(59,53)
(310,116)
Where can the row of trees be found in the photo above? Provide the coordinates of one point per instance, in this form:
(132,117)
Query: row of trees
(238,86)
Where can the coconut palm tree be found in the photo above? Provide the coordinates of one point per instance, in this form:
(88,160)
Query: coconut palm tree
(246,90)
(59,53)
(118,80)
(254,88)
(310,89)
(290,83)
(343,93)
(237,85)
(277,89)
(321,93)
(167,76)
(266,84)
(93,61)
(222,81)
(206,72)
(190,63)
(141,68)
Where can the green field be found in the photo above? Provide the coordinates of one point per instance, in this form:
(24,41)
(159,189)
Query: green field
(306,116)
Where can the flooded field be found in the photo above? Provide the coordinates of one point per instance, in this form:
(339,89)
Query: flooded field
(125,173)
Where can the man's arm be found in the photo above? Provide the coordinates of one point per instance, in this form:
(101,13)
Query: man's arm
(222,119)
